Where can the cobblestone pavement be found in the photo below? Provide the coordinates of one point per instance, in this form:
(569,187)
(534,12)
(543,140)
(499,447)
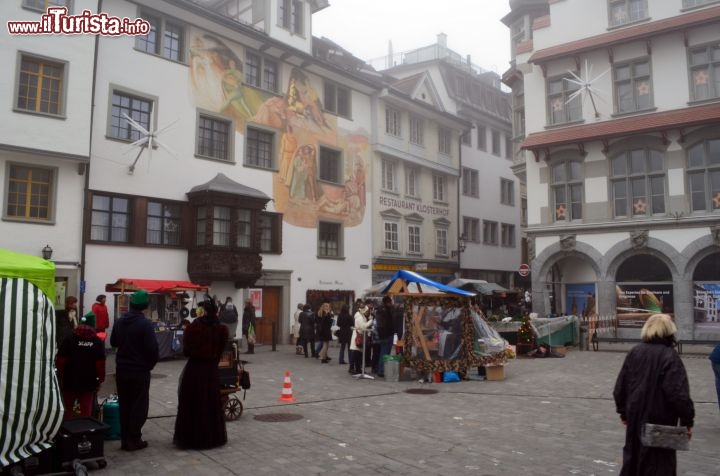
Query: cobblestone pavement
(552,416)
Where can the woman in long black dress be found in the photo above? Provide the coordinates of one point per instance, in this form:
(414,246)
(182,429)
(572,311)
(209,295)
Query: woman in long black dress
(200,422)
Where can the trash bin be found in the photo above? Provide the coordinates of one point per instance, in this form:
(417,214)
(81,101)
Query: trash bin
(583,345)
(392,367)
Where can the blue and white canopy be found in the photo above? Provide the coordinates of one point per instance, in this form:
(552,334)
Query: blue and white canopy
(417,283)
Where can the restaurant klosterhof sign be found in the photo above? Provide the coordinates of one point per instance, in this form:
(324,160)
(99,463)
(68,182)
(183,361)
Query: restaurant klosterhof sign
(413,206)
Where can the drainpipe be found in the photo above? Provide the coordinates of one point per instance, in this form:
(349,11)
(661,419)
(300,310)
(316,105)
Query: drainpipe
(85,224)
(459,194)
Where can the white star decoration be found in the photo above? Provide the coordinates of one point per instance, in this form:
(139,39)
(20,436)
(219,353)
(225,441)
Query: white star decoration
(557,105)
(560,212)
(716,200)
(639,207)
(700,77)
(643,88)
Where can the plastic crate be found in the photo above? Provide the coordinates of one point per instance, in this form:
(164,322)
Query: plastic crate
(81,438)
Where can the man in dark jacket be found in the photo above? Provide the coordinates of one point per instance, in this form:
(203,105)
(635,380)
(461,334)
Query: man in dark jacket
(384,318)
(137,354)
(307,330)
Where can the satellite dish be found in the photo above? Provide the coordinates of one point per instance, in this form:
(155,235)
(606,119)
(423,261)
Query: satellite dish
(147,141)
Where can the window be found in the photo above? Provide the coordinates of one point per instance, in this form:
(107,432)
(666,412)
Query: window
(622,12)
(490,232)
(30,192)
(507,192)
(389,182)
(703,172)
(166,37)
(495,135)
(439,188)
(270,225)
(261,72)
(696,3)
(259,148)
(517,33)
(392,122)
(411,181)
(244,228)
(417,130)
(471,229)
(637,179)
(444,138)
(481,138)
(337,99)
(392,237)
(200,225)
(110,219)
(163,224)
(518,106)
(508,148)
(632,86)
(41,85)
(441,241)
(136,108)
(414,239)
(214,138)
(705,72)
(567,190)
(507,235)
(221,226)
(42,5)
(561,108)
(329,244)
(470,182)
(291,15)
(330,165)
(466,138)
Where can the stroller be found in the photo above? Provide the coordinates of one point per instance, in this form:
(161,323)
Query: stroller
(233,378)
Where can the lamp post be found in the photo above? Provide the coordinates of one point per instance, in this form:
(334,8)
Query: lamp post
(461,247)
(47,252)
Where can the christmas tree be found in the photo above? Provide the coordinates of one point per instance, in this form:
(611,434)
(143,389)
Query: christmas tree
(525,333)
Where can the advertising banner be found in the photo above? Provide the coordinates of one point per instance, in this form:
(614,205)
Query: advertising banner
(580,299)
(638,301)
(706,300)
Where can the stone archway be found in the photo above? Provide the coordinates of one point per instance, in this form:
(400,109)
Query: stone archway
(703,282)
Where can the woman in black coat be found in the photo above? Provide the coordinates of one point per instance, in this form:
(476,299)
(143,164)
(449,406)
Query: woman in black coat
(652,387)
(345,323)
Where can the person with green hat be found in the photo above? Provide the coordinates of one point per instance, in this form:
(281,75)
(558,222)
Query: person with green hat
(88,319)
(134,336)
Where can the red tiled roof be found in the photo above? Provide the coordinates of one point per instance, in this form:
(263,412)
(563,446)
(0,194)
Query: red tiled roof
(631,33)
(653,122)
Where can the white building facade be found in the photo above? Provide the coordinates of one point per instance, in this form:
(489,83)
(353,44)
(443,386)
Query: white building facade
(621,153)
(46,109)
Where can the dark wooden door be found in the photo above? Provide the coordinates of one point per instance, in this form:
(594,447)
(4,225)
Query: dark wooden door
(270,314)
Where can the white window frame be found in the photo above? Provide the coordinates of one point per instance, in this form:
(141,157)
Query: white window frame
(414,231)
(704,196)
(470,182)
(471,229)
(557,101)
(439,188)
(417,130)
(507,192)
(389,175)
(412,175)
(638,84)
(625,179)
(507,235)
(567,185)
(626,12)
(444,141)
(393,122)
(705,72)
(441,242)
(290,16)
(391,236)
(490,232)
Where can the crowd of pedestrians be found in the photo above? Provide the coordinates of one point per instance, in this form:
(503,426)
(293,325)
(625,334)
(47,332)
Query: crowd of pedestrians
(367,329)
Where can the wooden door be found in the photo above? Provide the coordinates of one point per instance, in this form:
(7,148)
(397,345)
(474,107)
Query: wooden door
(271,298)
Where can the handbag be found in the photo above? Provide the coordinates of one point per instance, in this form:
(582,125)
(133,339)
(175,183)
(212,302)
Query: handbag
(358,339)
(244,379)
(664,436)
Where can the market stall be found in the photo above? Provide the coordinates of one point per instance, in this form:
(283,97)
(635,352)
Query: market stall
(170,302)
(29,419)
(442,331)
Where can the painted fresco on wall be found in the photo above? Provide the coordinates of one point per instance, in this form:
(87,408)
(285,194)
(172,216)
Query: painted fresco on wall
(706,302)
(296,115)
(635,302)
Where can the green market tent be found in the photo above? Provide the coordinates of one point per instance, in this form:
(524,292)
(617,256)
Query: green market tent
(30,401)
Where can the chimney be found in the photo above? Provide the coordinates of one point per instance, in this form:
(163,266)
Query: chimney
(442,40)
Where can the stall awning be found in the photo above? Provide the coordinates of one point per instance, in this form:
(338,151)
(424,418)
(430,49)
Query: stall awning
(414,282)
(483,287)
(153,285)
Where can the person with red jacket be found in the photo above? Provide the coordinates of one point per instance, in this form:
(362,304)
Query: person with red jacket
(102,318)
(80,366)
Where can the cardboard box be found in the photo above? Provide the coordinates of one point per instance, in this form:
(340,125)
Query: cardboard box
(559,349)
(495,372)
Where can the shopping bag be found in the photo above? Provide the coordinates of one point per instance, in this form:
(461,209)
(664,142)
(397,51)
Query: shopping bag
(251,334)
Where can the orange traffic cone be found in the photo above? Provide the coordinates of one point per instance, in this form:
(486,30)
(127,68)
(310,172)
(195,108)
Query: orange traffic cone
(287,395)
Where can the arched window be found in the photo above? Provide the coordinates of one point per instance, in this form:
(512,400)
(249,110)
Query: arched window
(637,180)
(703,170)
(567,190)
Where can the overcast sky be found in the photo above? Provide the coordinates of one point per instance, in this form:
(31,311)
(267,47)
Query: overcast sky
(473,27)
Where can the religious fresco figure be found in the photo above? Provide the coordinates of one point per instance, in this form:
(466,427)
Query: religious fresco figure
(288,146)
(232,85)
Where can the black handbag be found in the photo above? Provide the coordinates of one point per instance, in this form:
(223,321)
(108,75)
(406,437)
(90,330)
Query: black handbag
(244,379)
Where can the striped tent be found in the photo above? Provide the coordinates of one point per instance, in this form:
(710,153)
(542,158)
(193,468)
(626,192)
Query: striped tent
(30,401)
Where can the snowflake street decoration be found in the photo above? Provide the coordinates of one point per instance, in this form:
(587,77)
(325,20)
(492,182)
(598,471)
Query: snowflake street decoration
(585,86)
(147,141)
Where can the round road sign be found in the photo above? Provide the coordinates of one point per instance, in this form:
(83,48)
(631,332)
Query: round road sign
(524,270)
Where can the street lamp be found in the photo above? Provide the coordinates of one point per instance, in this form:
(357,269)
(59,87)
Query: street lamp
(47,252)
(461,247)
